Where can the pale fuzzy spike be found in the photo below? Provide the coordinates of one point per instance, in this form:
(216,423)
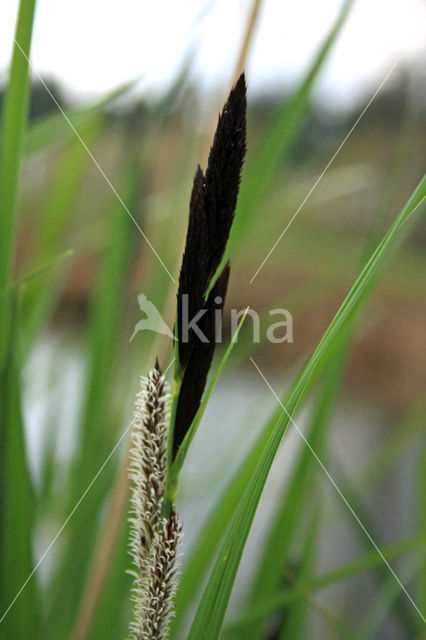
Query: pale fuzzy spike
(159,588)
(148,463)
(147,472)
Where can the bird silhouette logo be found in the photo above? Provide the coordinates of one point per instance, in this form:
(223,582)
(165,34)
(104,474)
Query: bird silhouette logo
(153,320)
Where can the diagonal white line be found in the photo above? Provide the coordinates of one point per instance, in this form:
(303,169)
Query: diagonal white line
(333,157)
(341,495)
(95,162)
(78,503)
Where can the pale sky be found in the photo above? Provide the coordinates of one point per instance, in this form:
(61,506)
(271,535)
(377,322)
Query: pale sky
(92,46)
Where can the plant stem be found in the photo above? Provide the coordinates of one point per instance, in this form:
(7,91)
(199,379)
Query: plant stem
(13,127)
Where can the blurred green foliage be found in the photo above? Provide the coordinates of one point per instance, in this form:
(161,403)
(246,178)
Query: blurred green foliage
(72,261)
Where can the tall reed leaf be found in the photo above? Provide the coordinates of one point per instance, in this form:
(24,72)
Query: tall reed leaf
(404,611)
(287,596)
(16,512)
(16,497)
(12,133)
(387,597)
(286,522)
(50,235)
(55,128)
(294,618)
(221,515)
(210,614)
(97,435)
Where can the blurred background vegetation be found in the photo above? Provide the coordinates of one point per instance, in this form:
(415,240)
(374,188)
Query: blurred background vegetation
(79,263)
(156,145)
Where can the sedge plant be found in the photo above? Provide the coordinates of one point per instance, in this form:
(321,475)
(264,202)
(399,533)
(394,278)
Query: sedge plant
(78,584)
(160,436)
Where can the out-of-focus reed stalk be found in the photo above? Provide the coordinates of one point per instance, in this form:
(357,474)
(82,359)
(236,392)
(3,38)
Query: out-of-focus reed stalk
(252,21)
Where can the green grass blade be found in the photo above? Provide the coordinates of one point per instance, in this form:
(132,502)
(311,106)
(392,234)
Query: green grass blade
(403,609)
(391,186)
(112,619)
(287,520)
(285,597)
(382,459)
(23,281)
(217,522)
(277,546)
(12,133)
(393,448)
(296,614)
(16,513)
(97,427)
(387,597)
(333,623)
(55,129)
(210,614)
(422,520)
(221,515)
(207,544)
(56,213)
(16,495)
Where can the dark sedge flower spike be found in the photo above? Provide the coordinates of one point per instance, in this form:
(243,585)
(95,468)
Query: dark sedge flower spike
(211,213)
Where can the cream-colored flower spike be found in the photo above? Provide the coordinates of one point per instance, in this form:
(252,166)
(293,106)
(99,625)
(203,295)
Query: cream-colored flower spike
(148,461)
(157,605)
(153,540)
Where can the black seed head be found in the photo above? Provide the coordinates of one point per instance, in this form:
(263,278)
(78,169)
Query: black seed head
(199,363)
(211,213)
(223,173)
